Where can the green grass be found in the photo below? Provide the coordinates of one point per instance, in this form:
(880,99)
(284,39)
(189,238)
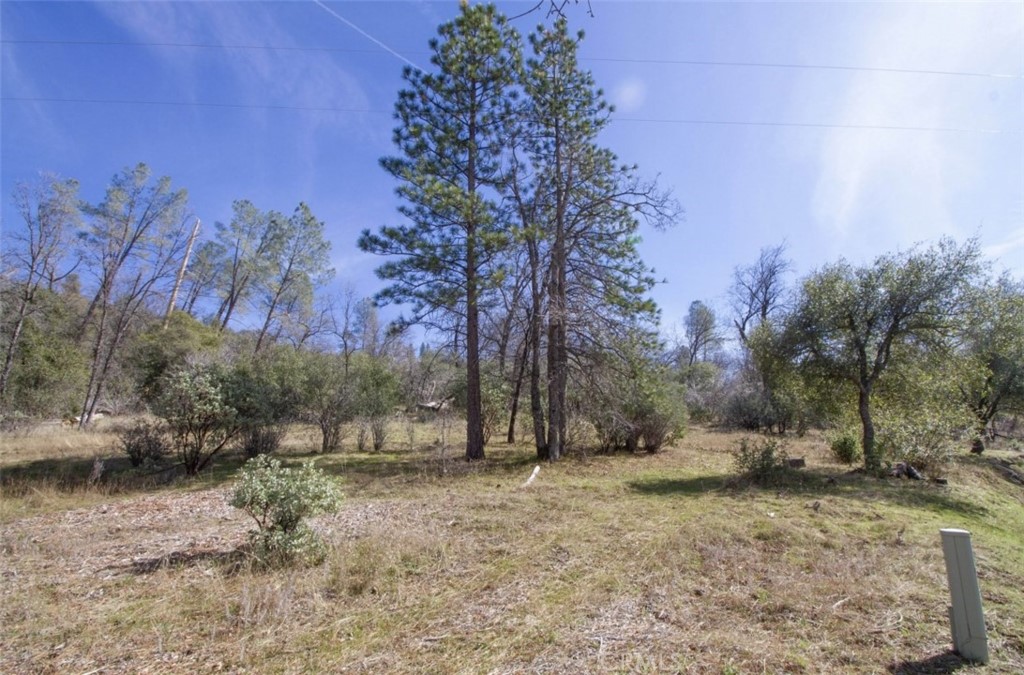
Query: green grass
(662,563)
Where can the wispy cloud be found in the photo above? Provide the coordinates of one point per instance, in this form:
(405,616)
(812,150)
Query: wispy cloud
(252,76)
(354,264)
(17,83)
(901,186)
(1010,244)
(299,78)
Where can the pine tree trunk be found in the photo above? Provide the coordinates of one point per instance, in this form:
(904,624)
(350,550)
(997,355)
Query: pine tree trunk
(536,319)
(536,403)
(554,398)
(557,357)
(474,412)
(474,407)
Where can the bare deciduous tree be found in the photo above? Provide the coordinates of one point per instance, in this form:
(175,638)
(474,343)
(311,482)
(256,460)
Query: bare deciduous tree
(133,241)
(49,209)
(302,264)
(759,290)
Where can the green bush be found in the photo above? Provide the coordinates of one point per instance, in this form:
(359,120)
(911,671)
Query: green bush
(642,409)
(926,443)
(920,413)
(763,463)
(266,395)
(200,421)
(747,409)
(143,443)
(704,391)
(328,397)
(50,373)
(753,410)
(362,434)
(614,431)
(278,499)
(661,417)
(845,446)
(495,399)
(376,395)
(162,348)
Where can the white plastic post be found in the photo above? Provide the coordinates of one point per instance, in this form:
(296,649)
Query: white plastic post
(966,617)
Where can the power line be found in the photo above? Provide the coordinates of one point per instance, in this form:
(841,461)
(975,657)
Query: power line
(253,106)
(399,54)
(185,104)
(800,66)
(194,45)
(813,125)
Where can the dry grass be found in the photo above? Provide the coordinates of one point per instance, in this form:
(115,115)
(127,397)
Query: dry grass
(603,564)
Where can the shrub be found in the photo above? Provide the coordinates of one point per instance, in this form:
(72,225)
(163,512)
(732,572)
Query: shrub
(705,391)
(144,442)
(645,411)
(328,397)
(332,430)
(926,443)
(661,418)
(579,431)
(278,499)
(747,409)
(379,430)
(614,432)
(200,422)
(495,396)
(50,372)
(362,434)
(922,432)
(11,422)
(763,463)
(260,440)
(845,446)
(164,347)
(785,408)
(266,395)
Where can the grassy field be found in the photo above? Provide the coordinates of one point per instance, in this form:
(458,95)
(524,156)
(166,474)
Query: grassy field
(613,564)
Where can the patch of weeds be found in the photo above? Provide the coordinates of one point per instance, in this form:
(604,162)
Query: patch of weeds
(766,532)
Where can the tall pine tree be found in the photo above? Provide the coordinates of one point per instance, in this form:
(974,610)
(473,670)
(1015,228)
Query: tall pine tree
(578,212)
(453,128)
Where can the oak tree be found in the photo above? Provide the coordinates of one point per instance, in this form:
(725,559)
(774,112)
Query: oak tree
(852,322)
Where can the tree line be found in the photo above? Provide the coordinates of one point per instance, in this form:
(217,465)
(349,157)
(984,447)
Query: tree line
(902,358)
(82,281)
(517,247)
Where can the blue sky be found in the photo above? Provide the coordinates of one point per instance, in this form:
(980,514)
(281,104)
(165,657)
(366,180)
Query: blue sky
(757,153)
